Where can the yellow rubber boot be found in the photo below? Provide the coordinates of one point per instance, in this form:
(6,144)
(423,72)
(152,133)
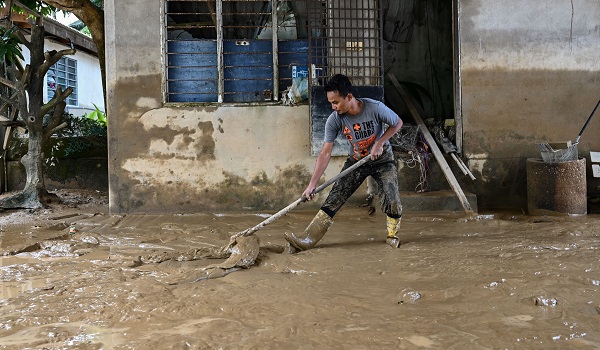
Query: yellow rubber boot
(313,233)
(393,227)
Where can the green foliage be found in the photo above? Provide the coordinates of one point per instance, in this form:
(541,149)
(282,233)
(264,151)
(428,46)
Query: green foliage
(10,50)
(98,116)
(82,126)
(38,6)
(81,135)
(80,26)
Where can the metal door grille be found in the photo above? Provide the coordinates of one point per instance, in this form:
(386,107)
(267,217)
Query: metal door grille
(346,38)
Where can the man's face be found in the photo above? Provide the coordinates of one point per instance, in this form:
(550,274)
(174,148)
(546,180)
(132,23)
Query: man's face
(338,103)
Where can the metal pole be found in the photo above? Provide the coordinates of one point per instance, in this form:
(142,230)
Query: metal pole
(275,26)
(221,75)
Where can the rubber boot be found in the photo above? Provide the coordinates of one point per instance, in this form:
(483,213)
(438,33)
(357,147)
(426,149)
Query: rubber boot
(313,233)
(393,227)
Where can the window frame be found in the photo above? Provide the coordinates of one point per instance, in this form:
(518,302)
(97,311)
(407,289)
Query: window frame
(68,63)
(221,79)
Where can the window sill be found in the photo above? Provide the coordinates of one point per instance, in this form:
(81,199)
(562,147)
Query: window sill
(230,104)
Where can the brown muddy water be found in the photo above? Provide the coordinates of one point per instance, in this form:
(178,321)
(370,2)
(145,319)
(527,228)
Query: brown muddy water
(500,281)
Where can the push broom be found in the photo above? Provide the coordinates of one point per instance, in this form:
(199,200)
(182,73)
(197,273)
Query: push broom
(551,155)
(251,230)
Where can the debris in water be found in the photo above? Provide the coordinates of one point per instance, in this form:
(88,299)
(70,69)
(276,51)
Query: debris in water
(410,296)
(541,301)
(243,253)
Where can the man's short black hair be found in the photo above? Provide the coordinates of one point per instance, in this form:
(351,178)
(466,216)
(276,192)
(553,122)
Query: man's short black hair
(339,83)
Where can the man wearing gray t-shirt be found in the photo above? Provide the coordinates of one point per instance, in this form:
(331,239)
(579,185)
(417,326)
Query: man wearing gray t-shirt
(361,121)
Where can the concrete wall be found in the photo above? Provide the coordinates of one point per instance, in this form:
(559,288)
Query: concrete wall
(530,73)
(189,158)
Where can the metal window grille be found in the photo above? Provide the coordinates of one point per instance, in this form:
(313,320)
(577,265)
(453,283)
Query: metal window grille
(63,73)
(347,39)
(250,50)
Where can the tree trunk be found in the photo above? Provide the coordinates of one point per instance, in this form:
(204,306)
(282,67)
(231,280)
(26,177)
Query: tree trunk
(32,111)
(93,17)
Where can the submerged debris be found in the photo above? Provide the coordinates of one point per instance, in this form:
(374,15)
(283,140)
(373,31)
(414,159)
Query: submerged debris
(409,296)
(542,301)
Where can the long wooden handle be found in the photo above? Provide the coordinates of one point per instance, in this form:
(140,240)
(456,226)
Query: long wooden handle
(302,199)
(434,147)
(341,174)
(587,122)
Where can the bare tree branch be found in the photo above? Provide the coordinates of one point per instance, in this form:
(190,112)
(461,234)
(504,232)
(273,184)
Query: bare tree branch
(19,34)
(20,90)
(8,83)
(56,128)
(54,123)
(5,123)
(59,96)
(8,101)
(51,57)
(6,104)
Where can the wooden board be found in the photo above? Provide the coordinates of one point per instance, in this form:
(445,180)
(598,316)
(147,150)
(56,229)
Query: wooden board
(433,145)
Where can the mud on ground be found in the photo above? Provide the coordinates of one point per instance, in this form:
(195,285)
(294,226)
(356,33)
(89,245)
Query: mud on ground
(501,280)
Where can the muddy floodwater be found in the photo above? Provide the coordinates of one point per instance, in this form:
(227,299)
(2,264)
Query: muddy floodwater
(495,281)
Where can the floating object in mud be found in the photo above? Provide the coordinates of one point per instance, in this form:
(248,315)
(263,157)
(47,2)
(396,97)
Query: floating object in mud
(410,296)
(72,230)
(541,301)
(243,253)
(89,239)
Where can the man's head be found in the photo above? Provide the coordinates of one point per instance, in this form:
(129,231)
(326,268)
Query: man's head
(339,94)
(339,83)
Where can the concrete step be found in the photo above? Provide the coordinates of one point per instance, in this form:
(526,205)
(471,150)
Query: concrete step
(435,201)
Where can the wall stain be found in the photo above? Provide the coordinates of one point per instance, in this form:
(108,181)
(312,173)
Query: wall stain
(187,140)
(205,145)
(233,193)
(260,192)
(134,89)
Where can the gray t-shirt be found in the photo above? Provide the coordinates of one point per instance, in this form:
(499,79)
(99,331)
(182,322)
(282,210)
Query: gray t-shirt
(363,129)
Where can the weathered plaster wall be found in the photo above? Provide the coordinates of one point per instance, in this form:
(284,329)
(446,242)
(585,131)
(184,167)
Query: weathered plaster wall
(530,73)
(179,158)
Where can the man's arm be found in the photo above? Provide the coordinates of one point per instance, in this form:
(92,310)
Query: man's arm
(320,166)
(377,148)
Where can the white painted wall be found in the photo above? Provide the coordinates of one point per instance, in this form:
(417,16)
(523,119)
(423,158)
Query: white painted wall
(89,80)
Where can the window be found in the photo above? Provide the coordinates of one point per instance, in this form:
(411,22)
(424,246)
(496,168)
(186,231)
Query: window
(63,73)
(251,51)
(233,51)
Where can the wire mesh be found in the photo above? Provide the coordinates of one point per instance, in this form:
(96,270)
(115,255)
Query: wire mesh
(550,155)
(234,50)
(244,51)
(346,35)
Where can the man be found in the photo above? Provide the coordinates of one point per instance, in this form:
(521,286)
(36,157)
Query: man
(362,122)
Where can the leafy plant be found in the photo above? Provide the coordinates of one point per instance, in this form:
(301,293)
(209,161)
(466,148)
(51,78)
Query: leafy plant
(83,126)
(97,115)
(10,48)
(80,26)
(84,133)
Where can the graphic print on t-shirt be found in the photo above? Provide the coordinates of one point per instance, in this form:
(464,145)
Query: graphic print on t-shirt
(364,134)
